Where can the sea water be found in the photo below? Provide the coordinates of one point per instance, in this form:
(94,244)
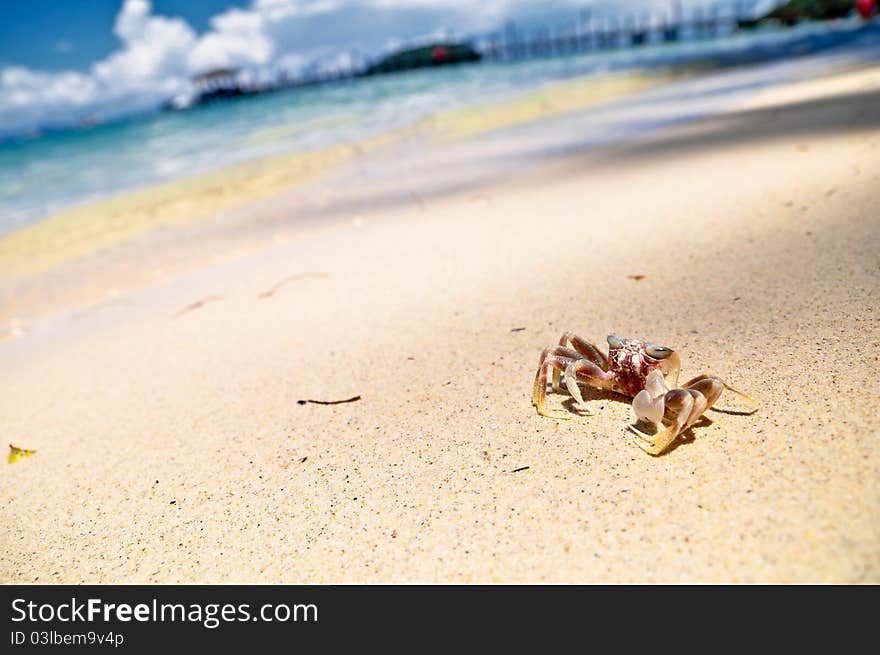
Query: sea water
(57,170)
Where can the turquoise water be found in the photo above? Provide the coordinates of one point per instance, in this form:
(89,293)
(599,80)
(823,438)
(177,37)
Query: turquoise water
(58,170)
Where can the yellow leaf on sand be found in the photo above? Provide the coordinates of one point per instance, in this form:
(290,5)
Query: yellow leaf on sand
(16,453)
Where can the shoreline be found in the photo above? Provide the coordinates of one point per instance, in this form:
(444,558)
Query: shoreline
(40,259)
(78,239)
(186,199)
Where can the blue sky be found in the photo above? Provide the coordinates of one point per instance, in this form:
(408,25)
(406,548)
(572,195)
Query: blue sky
(65,60)
(59,35)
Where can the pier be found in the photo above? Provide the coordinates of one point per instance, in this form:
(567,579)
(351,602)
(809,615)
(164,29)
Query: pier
(591,32)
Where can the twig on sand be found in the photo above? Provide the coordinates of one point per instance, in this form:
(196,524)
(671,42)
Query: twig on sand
(519,329)
(636,277)
(328,402)
(299,276)
(521,468)
(196,305)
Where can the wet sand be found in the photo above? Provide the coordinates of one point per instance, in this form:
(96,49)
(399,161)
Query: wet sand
(171,446)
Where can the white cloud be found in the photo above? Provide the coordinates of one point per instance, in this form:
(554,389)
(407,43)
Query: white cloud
(23,88)
(154,47)
(159,54)
(237,38)
(150,65)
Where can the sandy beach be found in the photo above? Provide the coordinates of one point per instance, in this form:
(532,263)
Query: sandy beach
(159,378)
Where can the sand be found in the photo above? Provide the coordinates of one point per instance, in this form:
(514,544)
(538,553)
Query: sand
(551,100)
(171,447)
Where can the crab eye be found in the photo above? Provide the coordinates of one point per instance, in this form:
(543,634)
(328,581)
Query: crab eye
(658,352)
(614,342)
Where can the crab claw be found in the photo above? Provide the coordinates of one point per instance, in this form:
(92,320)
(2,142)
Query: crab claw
(650,403)
(677,400)
(647,408)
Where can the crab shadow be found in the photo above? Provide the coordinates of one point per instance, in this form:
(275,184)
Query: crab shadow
(592,395)
(683,438)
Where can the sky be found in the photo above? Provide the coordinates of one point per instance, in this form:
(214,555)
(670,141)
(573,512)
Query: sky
(64,60)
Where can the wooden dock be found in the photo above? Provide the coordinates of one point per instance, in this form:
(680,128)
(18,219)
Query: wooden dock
(589,32)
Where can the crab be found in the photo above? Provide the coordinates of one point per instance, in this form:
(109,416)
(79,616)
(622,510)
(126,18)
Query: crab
(644,371)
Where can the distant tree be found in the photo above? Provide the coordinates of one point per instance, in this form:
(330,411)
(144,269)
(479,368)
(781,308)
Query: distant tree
(434,54)
(795,10)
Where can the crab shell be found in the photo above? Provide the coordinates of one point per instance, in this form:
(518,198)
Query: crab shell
(631,364)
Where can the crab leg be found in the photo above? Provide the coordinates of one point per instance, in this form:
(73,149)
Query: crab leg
(694,383)
(585,348)
(576,370)
(549,362)
(560,351)
(679,402)
(588,373)
(706,392)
